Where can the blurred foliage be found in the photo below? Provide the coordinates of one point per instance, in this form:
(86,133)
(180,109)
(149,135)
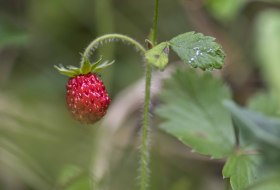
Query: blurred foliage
(41,147)
(225,10)
(268,47)
(11,36)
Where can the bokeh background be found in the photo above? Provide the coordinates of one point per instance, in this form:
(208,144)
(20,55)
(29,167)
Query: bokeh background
(42,147)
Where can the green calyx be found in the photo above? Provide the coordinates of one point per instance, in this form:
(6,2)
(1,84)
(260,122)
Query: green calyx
(85,68)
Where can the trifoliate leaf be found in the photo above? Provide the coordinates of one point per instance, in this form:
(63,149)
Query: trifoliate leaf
(193,112)
(158,55)
(198,50)
(242,169)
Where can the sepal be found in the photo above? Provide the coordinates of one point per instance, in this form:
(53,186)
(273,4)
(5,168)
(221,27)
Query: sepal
(62,70)
(85,67)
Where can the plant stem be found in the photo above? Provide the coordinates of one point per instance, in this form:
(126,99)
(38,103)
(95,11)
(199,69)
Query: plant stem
(155,23)
(111,38)
(144,150)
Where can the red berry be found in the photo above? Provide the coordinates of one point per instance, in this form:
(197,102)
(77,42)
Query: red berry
(87,98)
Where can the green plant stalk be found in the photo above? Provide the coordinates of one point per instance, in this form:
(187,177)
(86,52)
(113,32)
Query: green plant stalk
(144,150)
(155,23)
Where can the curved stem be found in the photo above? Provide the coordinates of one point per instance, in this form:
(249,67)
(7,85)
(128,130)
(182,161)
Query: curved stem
(144,150)
(110,38)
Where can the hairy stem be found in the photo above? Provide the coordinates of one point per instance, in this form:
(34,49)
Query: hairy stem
(111,38)
(144,151)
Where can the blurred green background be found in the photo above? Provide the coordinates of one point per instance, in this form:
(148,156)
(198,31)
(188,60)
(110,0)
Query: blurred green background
(41,147)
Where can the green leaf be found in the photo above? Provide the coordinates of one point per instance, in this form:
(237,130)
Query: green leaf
(193,113)
(241,168)
(259,129)
(264,129)
(198,50)
(158,55)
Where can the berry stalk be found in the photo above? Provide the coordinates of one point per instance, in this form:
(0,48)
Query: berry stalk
(111,38)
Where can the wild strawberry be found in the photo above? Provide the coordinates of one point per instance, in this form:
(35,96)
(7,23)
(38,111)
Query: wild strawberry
(86,96)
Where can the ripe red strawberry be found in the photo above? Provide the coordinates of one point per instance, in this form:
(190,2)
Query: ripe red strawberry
(86,96)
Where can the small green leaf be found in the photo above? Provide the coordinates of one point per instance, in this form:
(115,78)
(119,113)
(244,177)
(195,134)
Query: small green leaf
(102,66)
(198,50)
(193,112)
(85,66)
(95,64)
(64,71)
(242,169)
(75,69)
(158,55)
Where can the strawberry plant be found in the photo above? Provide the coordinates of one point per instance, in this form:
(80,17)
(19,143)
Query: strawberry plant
(209,123)
(201,124)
